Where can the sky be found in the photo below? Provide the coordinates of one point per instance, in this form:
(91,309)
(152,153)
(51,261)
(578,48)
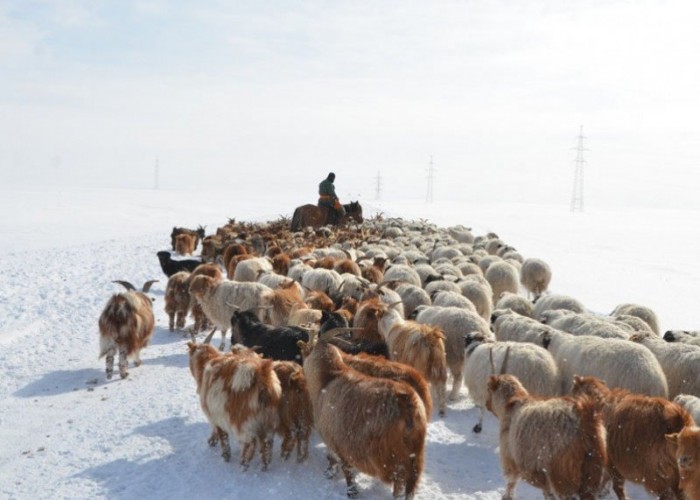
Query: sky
(242,95)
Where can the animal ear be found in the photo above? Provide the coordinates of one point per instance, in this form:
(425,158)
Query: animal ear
(673,439)
(192,346)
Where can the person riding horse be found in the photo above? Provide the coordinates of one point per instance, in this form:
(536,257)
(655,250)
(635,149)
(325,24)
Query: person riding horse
(328,200)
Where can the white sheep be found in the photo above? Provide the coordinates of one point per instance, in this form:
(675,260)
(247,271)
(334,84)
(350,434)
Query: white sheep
(532,364)
(515,302)
(322,280)
(644,313)
(690,403)
(412,296)
(679,362)
(401,272)
(446,298)
(683,336)
(584,324)
(502,277)
(249,270)
(479,292)
(535,276)
(455,322)
(549,302)
(435,286)
(219,300)
(509,325)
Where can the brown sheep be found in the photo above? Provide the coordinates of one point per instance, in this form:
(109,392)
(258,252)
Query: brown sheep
(686,450)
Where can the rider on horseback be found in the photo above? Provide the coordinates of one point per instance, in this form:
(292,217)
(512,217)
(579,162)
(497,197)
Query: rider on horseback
(328,200)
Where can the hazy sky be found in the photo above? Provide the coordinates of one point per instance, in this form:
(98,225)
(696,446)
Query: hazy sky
(269,95)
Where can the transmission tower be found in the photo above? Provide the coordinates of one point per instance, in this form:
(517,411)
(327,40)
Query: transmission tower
(157,168)
(378,193)
(431,172)
(577,194)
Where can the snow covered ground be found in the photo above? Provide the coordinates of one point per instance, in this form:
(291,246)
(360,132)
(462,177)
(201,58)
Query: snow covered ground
(66,432)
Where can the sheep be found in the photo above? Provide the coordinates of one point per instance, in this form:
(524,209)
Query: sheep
(171,266)
(387,418)
(402,272)
(239,394)
(219,300)
(250,269)
(479,292)
(185,244)
(549,302)
(445,298)
(690,403)
(177,299)
(636,426)
(686,450)
(352,286)
(644,313)
(532,364)
(420,346)
(679,362)
(454,322)
(278,343)
(556,444)
(682,336)
(583,324)
(509,325)
(412,296)
(126,325)
(635,324)
(535,276)
(442,285)
(296,417)
(516,303)
(322,280)
(502,277)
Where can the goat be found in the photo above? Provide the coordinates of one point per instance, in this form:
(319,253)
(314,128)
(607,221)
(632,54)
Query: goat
(556,444)
(177,299)
(185,244)
(198,234)
(126,325)
(375,425)
(686,450)
(239,393)
(295,410)
(171,266)
(278,343)
(636,426)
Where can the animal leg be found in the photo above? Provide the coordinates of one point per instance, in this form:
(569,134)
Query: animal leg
(456,382)
(510,489)
(171,322)
(477,427)
(441,397)
(302,445)
(137,359)
(287,444)
(223,340)
(266,451)
(225,445)
(247,453)
(109,367)
(181,316)
(618,483)
(214,437)
(399,478)
(349,479)
(332,469)
(123,363)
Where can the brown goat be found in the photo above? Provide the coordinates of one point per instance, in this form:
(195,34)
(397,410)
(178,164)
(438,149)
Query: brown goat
(126,325)
(231,250)
(347,266)
(686,450)
(281,301)
(280,264)
(636,426)
(367,318)
(177,299)
(373,424)
(240,394)
(319,300)
(185,243)
(296,412)
(556,444)
(233,263)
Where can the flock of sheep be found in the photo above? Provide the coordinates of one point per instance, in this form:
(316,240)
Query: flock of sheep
(354,330)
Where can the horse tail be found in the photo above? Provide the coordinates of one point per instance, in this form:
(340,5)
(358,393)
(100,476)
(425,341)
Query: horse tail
(296,220)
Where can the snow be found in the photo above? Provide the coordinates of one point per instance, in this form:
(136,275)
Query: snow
(67,432)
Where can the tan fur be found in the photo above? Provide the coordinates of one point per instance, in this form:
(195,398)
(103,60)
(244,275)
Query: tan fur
(281,301)
(300,314)
(201,322)
(373,275)
(685,446)
(240,394)
(296,411)
(231,250)
(556,444)
(280,264)
(126,324)
(347,266)
(367,318)
(373,424)
(636,426)
(185,243)
(177,299)
(231,268)
(319,300)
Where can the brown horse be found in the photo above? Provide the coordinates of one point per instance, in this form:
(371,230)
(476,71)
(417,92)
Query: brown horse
(314,216)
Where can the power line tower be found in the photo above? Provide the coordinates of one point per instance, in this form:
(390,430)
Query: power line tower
(157,168)
(378,193)
(577,194)
(431,173)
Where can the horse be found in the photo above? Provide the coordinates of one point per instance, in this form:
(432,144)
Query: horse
(315,216)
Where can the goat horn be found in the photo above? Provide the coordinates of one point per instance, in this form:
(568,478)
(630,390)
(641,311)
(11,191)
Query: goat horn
(209,337)
(147,285)
(235,307)
(125,284)
(336,331)
(394,304)
(505,361)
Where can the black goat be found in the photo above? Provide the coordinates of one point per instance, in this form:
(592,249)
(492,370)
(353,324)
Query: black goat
(197,233)
(345,342)
(171,266)
(278,343)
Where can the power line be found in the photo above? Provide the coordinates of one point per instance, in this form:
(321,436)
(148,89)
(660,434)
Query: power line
(378,193)
(577,194)
(157,169)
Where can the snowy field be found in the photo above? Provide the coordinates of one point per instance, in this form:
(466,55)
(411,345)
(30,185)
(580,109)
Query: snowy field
(66,432)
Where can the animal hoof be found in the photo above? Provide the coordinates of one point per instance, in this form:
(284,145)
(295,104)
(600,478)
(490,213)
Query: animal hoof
(227,457)
(124,375)
(352,491)
(477,428)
